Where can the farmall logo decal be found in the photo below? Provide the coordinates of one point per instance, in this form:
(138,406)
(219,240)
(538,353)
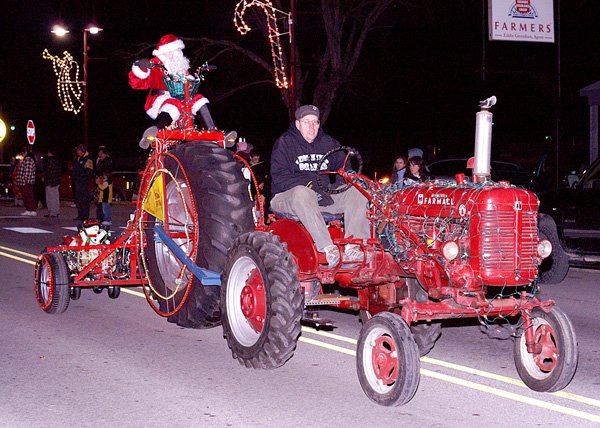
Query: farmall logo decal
(435,199)
(521,20)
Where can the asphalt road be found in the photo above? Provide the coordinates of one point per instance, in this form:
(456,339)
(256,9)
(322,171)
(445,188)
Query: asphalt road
(111,362)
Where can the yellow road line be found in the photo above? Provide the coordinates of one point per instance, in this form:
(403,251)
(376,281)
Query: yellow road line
(328,346)
(512,396)
(23,253)
(451,379)
(10,256)
(509,380)
(133,292)
(481,373)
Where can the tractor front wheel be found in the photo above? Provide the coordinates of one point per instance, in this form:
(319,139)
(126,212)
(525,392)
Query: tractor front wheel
(388,360)
(552,363)
(261,301)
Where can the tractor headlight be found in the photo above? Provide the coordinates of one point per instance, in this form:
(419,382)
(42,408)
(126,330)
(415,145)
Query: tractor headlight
(450,250)
(544,248)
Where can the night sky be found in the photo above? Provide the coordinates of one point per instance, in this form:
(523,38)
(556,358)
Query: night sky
(417,84)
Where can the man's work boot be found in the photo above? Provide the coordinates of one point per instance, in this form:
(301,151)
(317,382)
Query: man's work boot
(332,254)
(353,253)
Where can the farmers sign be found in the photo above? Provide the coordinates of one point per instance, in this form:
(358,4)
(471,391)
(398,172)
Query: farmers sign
(521,20)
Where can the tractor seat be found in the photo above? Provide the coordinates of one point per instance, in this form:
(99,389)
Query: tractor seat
(326,216)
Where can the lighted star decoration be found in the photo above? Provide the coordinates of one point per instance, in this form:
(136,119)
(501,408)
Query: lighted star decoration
(271,14)
(68,84)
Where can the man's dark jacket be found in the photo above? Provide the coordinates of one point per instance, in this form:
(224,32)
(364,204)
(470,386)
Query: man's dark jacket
(294,160)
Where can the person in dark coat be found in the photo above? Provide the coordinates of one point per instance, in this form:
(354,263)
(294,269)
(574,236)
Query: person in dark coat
(104,170)
(83,170)
(52,184)
(294,160)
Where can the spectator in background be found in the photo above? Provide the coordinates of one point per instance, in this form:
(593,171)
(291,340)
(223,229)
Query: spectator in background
(104,199)
(243,149)
(260,169)
(399,169)
(416,169)
(26,180)
(416,152)
(39,191)
(83,169)
(104,169)
(14,166)
(52,183)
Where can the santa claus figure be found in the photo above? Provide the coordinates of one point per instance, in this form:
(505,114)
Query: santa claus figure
(160,105)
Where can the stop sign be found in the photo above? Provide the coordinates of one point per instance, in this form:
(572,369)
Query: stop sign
(30,131)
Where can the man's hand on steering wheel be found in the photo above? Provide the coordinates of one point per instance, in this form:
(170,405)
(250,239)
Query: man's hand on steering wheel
(349,154)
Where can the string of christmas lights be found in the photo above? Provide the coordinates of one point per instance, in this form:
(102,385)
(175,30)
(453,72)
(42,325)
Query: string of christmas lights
(69,89)
(271,13)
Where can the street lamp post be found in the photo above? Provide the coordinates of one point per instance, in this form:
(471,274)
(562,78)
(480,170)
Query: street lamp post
(92,29)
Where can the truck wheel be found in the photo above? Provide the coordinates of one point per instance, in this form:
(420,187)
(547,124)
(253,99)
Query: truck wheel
(387,360)
(262,301)
(554,268)
(208,206)
(425,333)
(52,288)
(552,365)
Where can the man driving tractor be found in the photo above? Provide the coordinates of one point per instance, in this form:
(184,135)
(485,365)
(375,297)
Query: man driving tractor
(294,160)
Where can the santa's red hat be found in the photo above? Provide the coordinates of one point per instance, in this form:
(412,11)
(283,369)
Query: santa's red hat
(168,43)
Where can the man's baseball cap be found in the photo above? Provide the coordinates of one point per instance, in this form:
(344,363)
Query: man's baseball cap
(306,110)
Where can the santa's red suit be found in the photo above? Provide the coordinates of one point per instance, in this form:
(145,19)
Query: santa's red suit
(159,100)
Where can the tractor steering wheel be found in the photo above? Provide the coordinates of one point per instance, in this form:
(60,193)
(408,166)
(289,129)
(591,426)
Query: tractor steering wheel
(352,160)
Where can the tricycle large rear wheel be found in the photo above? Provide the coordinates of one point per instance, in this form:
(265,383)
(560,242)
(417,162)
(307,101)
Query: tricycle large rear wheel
(52,288)
(387,360)
(553,363)
(207,207)
(261,301)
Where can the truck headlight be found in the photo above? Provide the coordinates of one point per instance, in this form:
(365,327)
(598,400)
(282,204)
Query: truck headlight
(544,248)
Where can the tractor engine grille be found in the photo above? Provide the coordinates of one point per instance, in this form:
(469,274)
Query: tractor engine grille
(508,243)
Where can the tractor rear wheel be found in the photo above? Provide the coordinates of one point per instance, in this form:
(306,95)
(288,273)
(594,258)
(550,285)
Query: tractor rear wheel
(207,206)
(52,288)
(261,301)
(552,364)
(387,360)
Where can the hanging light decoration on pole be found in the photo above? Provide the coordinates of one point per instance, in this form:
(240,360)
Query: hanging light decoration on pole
(271,13)
(69,86)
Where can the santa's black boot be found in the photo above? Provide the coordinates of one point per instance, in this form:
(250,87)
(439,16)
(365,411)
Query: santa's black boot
(162,121)
(206,118)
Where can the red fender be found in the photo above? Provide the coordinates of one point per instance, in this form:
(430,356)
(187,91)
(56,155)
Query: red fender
(300,245)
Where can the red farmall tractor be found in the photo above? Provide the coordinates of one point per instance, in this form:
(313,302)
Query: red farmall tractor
(438,250)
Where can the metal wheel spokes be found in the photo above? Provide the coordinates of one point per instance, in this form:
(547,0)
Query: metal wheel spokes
(44,284)
(380,360)
(246,301)
(547,357)
(543,360)
(385,360)
(181,225)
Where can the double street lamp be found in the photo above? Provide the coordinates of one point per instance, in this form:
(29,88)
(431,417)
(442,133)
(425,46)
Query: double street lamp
(61,31)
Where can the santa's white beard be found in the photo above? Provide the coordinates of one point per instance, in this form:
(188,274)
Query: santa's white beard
(177,63)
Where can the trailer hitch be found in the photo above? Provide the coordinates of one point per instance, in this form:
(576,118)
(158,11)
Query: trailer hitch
(205,276)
